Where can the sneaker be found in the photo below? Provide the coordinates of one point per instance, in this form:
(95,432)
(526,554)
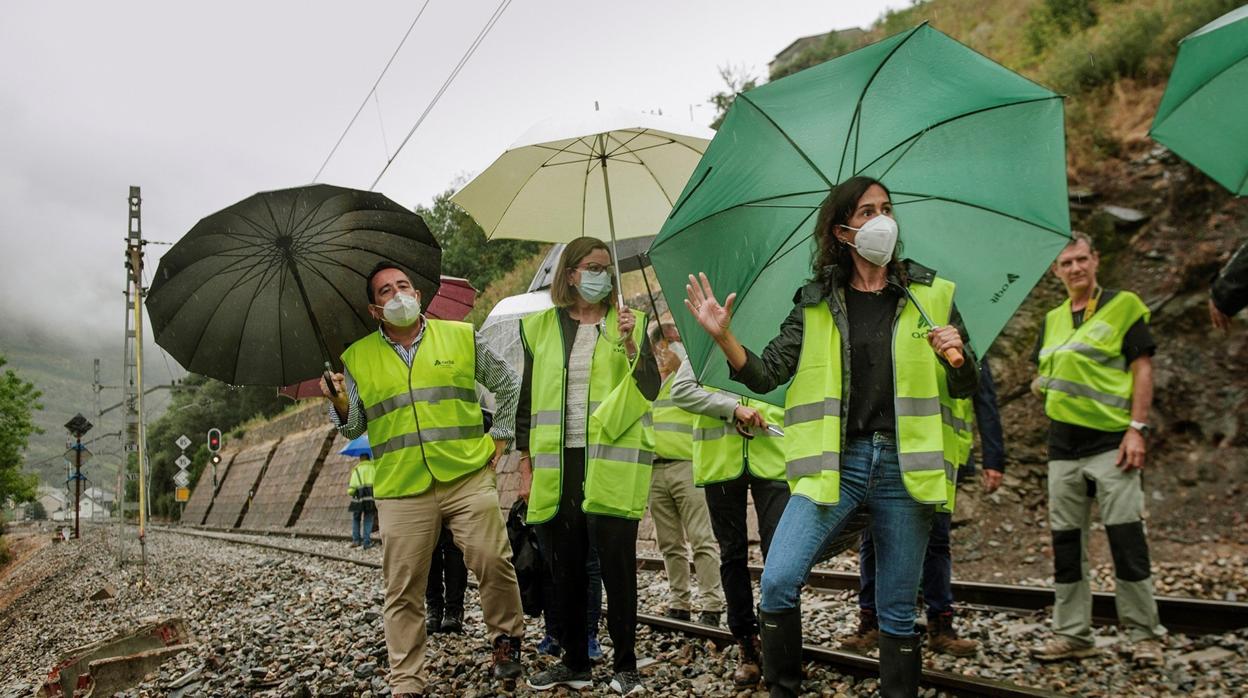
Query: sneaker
(678,614)
(1147,653)
(549,646)
(506,657)
(1062,647)
(627,683)
(867,637)
(560,675)
(594,649)
(943,639)
(710,618)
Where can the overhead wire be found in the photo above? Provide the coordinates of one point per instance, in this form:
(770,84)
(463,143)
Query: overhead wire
(372,91)
(485,31)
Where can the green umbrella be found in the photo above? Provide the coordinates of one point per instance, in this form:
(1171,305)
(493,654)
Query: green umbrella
(973,153)
(1204,114)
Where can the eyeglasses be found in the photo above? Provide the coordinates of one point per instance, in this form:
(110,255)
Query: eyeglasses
(595,268)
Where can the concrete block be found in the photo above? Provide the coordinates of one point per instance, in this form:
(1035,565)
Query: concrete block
(203,495)
(232,497)
(288,478)
(325,509)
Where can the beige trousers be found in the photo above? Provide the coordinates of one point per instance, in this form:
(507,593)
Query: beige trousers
(679,511)
(409,530)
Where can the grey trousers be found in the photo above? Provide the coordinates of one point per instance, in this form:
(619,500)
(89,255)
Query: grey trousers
(1121,500)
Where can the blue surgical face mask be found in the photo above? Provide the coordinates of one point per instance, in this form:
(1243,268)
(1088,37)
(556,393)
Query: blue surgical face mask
(594,285)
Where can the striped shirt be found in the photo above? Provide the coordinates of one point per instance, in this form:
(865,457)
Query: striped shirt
(491,372)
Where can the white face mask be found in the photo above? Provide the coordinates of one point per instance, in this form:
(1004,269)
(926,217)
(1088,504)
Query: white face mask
(402,310)
(876,240)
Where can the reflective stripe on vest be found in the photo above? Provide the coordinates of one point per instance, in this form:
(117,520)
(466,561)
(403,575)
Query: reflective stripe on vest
(673,427)
(617,471)
(720,454)
(957,415)
(1083,372)
(437,393)
(813,403)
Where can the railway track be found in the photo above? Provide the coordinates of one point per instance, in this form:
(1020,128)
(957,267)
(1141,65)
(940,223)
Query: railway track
(844,662)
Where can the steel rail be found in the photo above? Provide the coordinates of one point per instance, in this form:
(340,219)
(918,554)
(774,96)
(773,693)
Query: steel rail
(844,662)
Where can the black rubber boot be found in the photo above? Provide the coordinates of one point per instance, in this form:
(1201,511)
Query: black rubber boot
(433,619)
(781,635)
(901,663)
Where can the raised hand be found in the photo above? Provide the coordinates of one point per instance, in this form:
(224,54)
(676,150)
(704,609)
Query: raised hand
(713,317)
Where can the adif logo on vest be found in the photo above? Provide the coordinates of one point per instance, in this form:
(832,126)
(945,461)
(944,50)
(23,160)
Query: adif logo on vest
(449,363)
(922,329)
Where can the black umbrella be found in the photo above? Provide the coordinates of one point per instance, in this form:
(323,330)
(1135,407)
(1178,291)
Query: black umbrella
(271,290)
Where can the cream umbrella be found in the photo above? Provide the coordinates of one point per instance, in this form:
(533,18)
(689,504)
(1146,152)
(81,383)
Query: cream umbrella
(609,174)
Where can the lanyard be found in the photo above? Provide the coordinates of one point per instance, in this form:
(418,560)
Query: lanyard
(1092,303)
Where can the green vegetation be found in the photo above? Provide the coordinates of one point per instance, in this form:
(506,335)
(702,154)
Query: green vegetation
(18,401)
(466,252)
(198,405)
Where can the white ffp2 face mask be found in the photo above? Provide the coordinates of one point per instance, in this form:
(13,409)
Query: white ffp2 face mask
(402,310)
(876,239)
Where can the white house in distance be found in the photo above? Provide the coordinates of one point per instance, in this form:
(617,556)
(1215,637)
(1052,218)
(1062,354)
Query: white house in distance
(95,503)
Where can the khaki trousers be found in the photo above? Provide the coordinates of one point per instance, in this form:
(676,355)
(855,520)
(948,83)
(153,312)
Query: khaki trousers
(468,507)
(679,511)
(1121,500)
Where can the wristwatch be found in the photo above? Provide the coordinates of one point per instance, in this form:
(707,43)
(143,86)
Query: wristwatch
(1142,427)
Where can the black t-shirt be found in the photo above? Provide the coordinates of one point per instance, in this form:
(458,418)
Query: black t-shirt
(870,361)
(1071,441)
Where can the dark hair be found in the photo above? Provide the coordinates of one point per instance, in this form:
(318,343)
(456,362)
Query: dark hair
(380,267)
(561,294)
(833,257)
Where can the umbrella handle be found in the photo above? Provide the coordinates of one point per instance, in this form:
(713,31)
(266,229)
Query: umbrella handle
(328,377)
(954,357)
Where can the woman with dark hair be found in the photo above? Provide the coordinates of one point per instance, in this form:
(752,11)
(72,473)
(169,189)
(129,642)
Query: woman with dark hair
(589,377)
(863,420)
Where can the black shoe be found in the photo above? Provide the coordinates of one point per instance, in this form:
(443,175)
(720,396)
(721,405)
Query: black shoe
(627,682)
(678,614)
(781,635)
(901,663)
(453,621)
(710,618)
(561,675)
(433,620)
(507,657)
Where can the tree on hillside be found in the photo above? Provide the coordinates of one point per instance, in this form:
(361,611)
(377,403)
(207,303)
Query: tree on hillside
(466,252)
(18,401)
(737,79)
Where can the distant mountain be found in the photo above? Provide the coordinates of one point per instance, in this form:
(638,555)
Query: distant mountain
(61,365)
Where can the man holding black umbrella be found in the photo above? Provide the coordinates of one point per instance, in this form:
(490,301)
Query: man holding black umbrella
(411,385)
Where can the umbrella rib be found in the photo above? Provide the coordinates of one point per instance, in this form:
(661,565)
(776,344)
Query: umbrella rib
(659,243)
(989,209)
(233,287)
(337,290)
(257,263)
(909,142)
(782,132)
(861,95)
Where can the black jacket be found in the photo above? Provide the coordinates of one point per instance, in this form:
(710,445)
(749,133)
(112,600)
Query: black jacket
(646,373)
(1230,287)
(779,360)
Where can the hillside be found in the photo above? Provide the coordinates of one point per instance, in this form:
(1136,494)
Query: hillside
(1111,60)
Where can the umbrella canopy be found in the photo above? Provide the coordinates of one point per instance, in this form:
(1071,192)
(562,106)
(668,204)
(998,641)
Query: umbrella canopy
(267,291)
(1203,116)
(453,301)
(973,154)
(358,447)
(611,175)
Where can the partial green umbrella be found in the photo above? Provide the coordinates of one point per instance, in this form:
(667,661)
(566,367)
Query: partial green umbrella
(1203,115)
(973,153)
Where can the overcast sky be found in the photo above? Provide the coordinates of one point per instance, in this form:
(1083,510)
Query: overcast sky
(202,104)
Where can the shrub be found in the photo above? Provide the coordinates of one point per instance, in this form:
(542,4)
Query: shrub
(1119,47)
(1053,19)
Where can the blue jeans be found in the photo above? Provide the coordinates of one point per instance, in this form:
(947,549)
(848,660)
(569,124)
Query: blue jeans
(362,532)
(937,569)
(871,478)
